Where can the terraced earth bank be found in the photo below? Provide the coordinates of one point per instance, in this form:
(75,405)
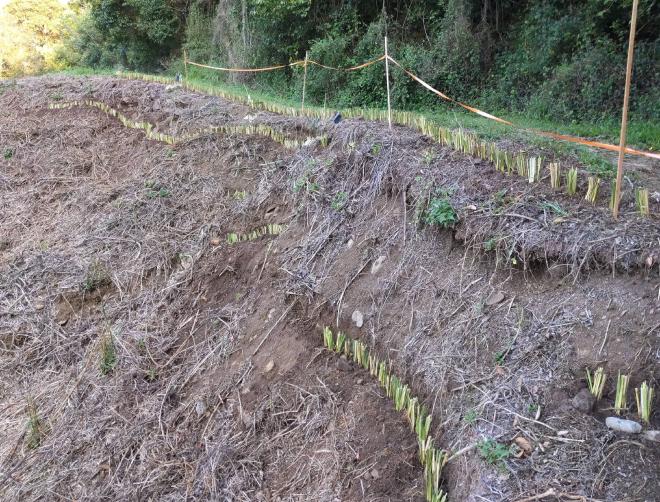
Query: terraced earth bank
(146,356)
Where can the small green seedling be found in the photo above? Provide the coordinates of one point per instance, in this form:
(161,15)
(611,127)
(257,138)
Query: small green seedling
(470,417)
(493,452)
(8,153)
(108,356)
(35,427)
(339,201)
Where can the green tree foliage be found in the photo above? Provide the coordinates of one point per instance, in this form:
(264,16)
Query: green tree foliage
(129,33)
(557,59)
(31,34)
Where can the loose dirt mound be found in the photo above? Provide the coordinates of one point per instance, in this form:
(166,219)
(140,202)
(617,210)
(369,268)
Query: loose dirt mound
(144,357)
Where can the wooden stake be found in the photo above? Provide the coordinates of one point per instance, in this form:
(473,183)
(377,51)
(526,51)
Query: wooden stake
(185,63)
(387,79)
(624,115)
(302,106)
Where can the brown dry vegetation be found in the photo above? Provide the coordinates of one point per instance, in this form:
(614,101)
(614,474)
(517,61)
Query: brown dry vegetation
(142,357)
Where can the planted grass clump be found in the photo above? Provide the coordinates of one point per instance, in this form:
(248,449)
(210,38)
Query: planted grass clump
(270,229)
(642,200)
(457,139)
(596,382)
(432,459)
(621,391)
(148,128)
(644,397)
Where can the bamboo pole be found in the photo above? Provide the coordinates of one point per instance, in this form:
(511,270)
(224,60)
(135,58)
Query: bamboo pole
(185,63)
(387,79)
(302,106)
(624,115)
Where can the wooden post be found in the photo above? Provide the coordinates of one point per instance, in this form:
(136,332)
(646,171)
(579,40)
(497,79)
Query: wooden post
(387,79)
(302,106)
(624,115)
(185,63)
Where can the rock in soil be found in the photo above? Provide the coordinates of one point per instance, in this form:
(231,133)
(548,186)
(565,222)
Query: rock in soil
(358,318)
(622,425)
(495,298)
(378,264)
(652,436)
(583,401)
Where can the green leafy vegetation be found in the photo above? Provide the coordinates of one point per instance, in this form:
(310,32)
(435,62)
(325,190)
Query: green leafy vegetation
(97,277)
(493,452)
(339,201)
(440,212)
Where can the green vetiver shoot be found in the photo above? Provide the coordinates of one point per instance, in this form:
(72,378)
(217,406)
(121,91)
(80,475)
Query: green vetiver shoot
(571,181)
(642,200)
(272,229)
(534,169)
(341,340)
(621,391)
(555,174)
(327,338)
(592,190)
(644,397)
(596,383)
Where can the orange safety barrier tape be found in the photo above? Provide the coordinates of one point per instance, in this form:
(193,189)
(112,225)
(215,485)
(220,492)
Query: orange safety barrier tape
(268,68)
(562,137)
(351,68)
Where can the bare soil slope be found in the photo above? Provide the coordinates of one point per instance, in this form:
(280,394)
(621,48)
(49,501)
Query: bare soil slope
(144,357)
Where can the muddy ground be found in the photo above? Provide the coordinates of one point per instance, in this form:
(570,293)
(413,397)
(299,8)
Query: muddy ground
(143,357)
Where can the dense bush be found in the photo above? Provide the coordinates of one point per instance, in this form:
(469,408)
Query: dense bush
(557,59)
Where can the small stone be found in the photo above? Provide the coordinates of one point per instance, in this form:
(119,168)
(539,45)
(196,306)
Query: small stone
(583,401)
(375,474)
(269,367)
(39,306)
(200,407)
(652,436)
(358,318)
(349,244)
(495,298)
(359,381)
(247,420)
(622,425)
(378,264)
(215,241)
(562,433)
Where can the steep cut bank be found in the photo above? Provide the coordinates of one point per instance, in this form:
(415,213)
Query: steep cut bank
(144,355)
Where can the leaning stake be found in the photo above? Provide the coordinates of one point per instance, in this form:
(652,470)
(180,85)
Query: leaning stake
(302,106)
(624,116)
(387,79)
